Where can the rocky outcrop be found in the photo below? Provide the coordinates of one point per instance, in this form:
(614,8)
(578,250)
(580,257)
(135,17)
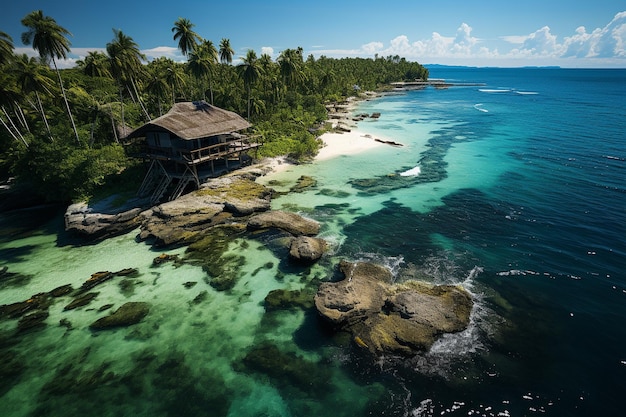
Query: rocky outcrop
(306,249)
(392,318)
(289,222)
(84,221)
(127,314)
(217,202)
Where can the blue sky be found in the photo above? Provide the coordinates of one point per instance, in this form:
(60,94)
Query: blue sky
(453,32)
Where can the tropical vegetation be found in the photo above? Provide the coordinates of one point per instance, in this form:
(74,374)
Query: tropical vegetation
(63,130)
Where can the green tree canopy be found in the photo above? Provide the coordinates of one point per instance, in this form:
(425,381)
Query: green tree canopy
(187,38)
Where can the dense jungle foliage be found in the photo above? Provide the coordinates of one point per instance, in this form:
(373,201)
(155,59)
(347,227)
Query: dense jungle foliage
(63,131)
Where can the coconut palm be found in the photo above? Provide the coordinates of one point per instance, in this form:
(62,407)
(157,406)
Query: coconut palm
(6,48)
(201,62)
(157,87)
(9,95)
(49,39)
(187,38)
(175,77)
(32,77)
(226,51)
(291,67)
(125,60)
(268,71)
(249,70)
(95,64)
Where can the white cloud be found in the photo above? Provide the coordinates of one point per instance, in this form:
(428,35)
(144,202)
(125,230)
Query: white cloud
(541,42)
(163,51)
(611,40)
(372,47)
(578,45)
(267,50)
(602,47)
(464,42)
(514,39)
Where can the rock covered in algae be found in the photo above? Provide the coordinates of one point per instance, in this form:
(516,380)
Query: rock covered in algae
(392,318)
(281,299)
(286,368)
(81,300)
(218,200)
(130,313)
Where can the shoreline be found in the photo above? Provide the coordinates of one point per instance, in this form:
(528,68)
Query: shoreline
(345,138)
(345,143)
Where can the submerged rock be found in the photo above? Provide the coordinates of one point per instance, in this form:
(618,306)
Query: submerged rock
(286,368)
(163,258)
(81,300)
(95,279)
(129,313)
(31,321)
(285,299)
(61,291)
(392,318)
(39,302)
(303,184)
(306,249)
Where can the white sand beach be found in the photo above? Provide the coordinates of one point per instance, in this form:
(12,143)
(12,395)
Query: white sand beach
(346,143)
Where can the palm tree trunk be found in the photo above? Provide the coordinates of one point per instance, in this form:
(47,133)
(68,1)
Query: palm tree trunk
(248,103)
(113,125)
(16,129)
(21,117)
(122,106)
(67,104)
(93,126)
(132,81)
(43,116)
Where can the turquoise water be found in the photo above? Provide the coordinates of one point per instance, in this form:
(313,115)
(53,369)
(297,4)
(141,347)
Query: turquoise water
(520,198)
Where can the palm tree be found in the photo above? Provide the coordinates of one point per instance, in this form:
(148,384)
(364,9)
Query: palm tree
(290,62)
(249,70)
(226,51)
(6,48)
(201,62)
(95,64)
(49,39)
(268,71)
(9,95)
(125,60)
(175,77)
(187,38)
(157,87)
(31,77)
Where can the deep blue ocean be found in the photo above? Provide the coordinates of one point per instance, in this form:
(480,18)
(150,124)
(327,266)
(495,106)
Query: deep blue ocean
(512,184)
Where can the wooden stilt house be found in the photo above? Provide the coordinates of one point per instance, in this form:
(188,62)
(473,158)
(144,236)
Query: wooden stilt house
(192,142)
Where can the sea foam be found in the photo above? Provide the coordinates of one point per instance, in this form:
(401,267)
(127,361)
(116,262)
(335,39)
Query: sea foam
(413,172)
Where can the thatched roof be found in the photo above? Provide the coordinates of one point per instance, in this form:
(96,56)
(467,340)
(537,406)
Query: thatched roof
(194,120)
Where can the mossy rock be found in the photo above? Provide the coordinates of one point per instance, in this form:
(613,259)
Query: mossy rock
(285,299)
(235,188)
(304,182)
(127,314)
(210,252)
(81,300)
(286,369)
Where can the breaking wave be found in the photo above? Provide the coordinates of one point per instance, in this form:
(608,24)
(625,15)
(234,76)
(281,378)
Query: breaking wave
(479,108)
(413,172)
